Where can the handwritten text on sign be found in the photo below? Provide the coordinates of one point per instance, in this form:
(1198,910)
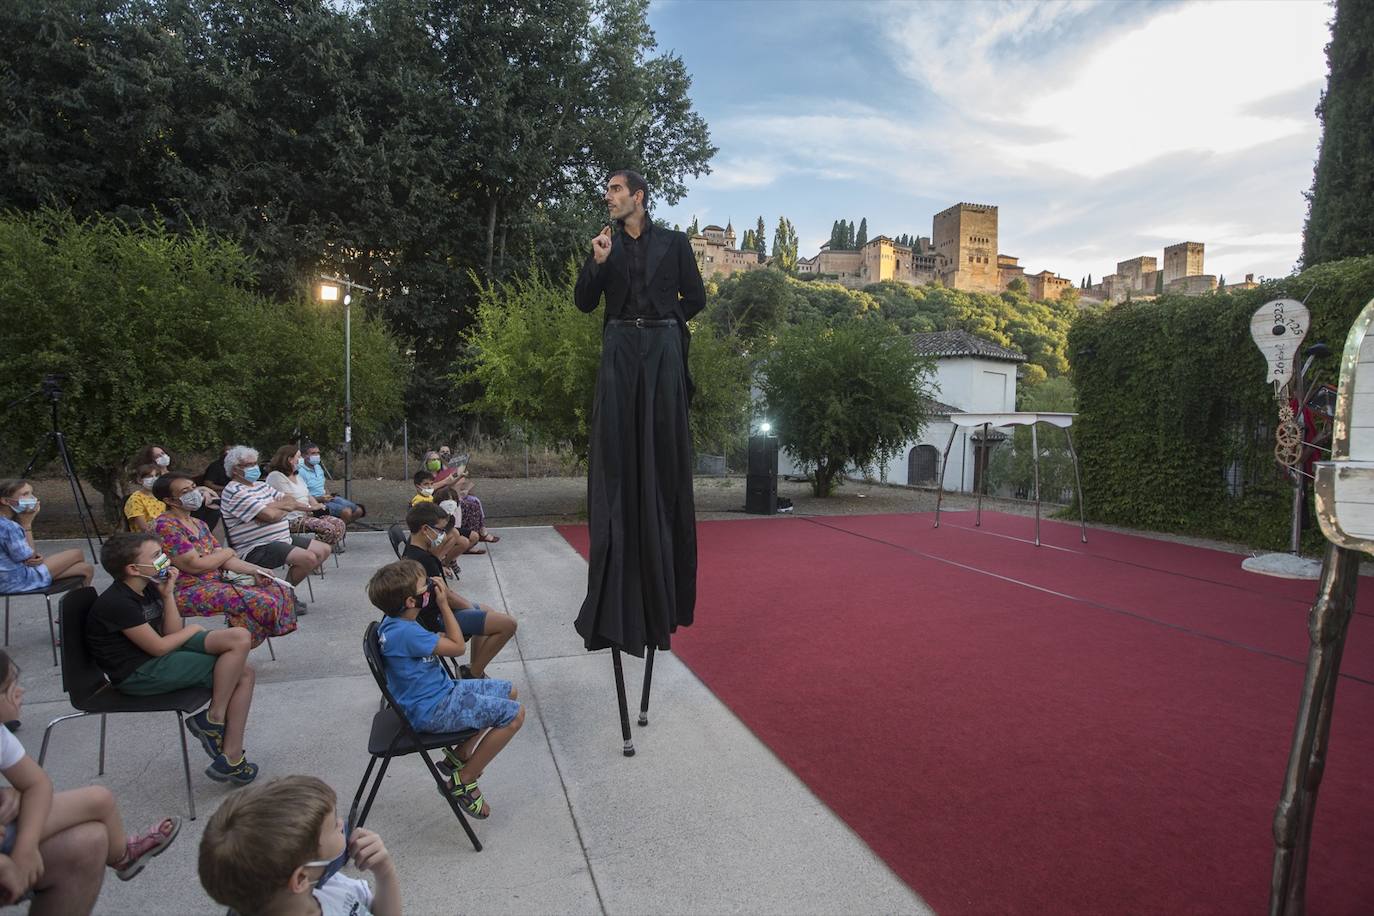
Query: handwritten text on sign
(1278,328)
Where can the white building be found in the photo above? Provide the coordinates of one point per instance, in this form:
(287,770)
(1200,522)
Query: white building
(972,375)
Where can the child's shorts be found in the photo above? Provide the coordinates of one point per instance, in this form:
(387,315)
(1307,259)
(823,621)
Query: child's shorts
(472,621)
(474,703)
(188,665)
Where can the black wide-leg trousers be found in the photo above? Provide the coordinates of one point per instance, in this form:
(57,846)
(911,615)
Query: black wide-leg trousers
(642,567)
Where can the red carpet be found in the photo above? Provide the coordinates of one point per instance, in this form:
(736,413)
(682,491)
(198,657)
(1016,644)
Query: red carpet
(1023,730)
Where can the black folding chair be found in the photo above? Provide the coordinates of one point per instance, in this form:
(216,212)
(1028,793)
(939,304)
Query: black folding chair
(228,542)
(56,587)
(394,736)
(91,692)
(399,536)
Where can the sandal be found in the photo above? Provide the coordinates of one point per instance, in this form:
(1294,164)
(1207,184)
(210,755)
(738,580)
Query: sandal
(476,550)
(490,538)
(144,846)
(470,797)
(455,763)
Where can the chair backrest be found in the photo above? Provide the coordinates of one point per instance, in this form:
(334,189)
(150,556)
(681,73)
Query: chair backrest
(80,676)
(399,536)
(372,652)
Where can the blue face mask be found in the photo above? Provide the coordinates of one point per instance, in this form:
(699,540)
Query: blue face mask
(332,866)
(26,504)
(314,460)
(252,474)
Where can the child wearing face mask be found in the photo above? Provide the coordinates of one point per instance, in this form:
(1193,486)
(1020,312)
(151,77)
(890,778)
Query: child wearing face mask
(424,487)
(142,508)
(276,850)
(136,636)
(23,568)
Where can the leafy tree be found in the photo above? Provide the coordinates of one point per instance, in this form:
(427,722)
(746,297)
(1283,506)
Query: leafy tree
(835,235)
(861,239)
(785,246)
(849,236)
(749,306)
(1159,283)
(161,339)
(848,395)
(1221,282)
(538,355)
(761,240)
(1340,222)
(694,229)
(748,243)
(1090,279)
(1013,465)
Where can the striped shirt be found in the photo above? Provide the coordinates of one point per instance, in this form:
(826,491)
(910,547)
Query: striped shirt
(241,502)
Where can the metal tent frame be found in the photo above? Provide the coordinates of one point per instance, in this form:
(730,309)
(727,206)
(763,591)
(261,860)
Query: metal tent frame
(1016,418)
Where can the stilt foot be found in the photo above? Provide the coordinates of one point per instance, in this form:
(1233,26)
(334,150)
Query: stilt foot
(644,718)
(629,748)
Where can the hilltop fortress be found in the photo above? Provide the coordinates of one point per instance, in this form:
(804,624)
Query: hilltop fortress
(962,253)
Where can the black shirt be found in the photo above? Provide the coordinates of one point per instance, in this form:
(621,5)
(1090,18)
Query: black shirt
(429,617)
(640,304)
(117,609)
(214,473)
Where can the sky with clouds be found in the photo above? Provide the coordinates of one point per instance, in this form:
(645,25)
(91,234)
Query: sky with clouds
(1102,130)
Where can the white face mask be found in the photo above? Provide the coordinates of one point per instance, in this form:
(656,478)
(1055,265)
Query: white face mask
(426,491)
(163,460)
(148,482)
(192,499)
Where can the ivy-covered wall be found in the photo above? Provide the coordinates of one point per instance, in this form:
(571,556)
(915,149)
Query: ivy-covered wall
(1176,421)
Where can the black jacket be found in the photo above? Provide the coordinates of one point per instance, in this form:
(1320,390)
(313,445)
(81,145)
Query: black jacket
(670,271)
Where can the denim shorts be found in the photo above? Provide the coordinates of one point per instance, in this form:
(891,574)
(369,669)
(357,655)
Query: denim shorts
(475,703)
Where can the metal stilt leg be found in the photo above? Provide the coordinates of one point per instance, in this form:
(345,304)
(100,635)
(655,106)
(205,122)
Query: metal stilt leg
(648,681)
(624,707)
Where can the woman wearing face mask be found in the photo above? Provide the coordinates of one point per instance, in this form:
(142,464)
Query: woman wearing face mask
(142,508)
(207,513)
(23,569)
(204,588)
(309,515)
(255,519)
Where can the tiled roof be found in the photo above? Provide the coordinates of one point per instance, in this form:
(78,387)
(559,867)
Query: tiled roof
(962,343)
(940,408)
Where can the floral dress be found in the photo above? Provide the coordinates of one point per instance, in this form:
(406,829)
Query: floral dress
(262,610)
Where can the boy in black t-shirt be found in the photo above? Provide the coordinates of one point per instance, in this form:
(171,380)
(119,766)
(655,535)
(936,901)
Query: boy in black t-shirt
(136,636)
(487,632)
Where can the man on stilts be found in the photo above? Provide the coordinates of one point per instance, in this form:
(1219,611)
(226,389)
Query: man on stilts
(641,576)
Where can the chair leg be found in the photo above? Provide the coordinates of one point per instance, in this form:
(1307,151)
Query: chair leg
(7,620)
(358,795)
(101,771)
(47,732)
(52,633)
(186,763)
(311,587)
(443,785)
(371,796)
(270,650)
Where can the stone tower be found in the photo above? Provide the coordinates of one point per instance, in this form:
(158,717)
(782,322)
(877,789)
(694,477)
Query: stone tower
(1182,260)
(729,234)
(965,238)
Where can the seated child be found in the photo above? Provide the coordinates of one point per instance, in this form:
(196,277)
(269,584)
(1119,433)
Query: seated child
(275,850)
(136,636)
(429,698)
(56,846)
(431,533)
(424,487)
(23,569)
(142,508)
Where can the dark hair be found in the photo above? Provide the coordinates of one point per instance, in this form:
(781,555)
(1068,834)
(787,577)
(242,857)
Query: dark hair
(282,457)
(422,475)
(143,469)
(8,668)
(145,454)
(119,550)
(391,585)
(307,445)
(162,487)
(422,514)
(10,487)
(634,181)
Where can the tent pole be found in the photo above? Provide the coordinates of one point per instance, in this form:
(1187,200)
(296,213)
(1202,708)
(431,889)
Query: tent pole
(624,707)
(944,466)
(1082,521)
(648,680)
(980,461)
(1035,455)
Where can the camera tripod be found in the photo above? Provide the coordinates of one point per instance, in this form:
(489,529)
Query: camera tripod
(51,389)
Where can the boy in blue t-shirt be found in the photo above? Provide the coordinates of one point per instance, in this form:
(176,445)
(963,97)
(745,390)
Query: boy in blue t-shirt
(429,698)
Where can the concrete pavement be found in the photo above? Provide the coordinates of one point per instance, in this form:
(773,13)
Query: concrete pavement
(704,819)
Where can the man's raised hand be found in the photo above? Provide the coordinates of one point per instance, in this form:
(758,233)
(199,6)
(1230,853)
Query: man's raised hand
(601,246)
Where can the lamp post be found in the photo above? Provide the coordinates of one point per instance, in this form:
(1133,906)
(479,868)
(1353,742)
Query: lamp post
(329,292)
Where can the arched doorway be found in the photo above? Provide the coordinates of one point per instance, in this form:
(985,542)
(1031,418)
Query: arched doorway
(923,466)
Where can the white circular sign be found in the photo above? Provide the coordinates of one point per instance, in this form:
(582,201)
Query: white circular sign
(1278,328)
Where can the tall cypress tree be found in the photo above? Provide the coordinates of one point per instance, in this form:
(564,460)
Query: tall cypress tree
(1340,221)
(861,239)
(761,240)
(849,236)
(835,235)
(1159,283)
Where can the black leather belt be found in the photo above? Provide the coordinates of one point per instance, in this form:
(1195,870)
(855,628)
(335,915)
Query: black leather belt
(644,322)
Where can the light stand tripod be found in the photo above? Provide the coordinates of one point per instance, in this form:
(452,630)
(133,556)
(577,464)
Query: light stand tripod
(51,389)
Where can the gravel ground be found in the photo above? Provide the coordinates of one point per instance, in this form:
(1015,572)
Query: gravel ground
(516,501)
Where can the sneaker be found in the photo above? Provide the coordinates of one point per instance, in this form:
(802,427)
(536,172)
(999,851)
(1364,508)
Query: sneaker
(301,608)
(211,734)
(241,773)
(144,846)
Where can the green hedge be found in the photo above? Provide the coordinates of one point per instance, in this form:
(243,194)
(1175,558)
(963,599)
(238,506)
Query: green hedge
(1171,394)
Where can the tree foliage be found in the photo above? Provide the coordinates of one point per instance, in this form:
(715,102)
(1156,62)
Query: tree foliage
(861,237)
(1340,222)
(160,339)
(785,246)
(847,395)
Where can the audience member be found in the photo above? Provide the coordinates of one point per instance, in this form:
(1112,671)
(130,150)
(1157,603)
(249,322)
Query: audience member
(54,845)
(424,487)
(275,850)
(429,698)
(431,531)
(142,508)
(23,569)
(309,515)
(314,474)
(135,634)
(213,579)
(255,520)
(152,454)
(471,514)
